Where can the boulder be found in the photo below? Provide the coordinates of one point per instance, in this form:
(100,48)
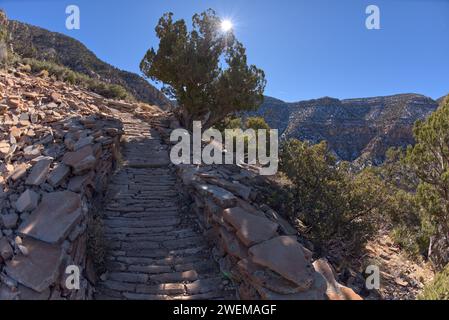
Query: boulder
(251,229)
(285,256)
(54,218)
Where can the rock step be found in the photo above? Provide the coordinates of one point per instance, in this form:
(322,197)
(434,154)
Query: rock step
(154,252)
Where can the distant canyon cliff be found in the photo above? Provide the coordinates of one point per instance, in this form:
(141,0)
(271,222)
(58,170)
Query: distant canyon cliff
(355,129)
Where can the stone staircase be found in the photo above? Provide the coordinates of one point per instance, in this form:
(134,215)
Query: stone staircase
(154,249)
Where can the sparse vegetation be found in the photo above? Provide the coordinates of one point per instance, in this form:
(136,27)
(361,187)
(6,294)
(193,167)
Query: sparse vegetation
(330,201)
(419,185)
(61,73)
(438,289)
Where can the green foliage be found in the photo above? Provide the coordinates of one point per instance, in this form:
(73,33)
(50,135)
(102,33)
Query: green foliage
(429,160)
(438,289)
(418,182)
(257,123)
(61,73)
(190,66)
(327,197)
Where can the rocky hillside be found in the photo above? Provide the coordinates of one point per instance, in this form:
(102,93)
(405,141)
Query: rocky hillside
(161,231)
(354,128)
(34,42)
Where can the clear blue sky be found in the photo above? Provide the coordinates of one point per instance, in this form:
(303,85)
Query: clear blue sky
(308,49)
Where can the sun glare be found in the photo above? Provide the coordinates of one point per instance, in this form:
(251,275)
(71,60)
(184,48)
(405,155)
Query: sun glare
(226,25)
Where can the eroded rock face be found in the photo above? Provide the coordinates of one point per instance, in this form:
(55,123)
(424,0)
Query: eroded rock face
(361,129)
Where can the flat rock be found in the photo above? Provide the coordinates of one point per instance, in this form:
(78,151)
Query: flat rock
(39,269)
(266,278)
(80,160)
(83,142)
(251,229)
(315,292)
(235,187)
(39,172)
(54,218)
(58,175)
(27,201)
(222,197)
(285,256)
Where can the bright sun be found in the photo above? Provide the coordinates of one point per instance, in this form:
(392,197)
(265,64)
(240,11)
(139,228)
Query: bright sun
(226,25)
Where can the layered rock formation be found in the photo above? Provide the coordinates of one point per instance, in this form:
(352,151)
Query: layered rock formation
(360,129)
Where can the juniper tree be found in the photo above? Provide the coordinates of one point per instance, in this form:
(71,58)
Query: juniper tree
(205,69)
(429,160)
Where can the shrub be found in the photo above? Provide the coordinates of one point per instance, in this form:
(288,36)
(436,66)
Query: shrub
(111,91)
(438,289)
(331,201)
